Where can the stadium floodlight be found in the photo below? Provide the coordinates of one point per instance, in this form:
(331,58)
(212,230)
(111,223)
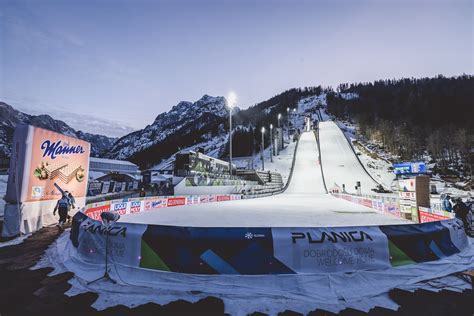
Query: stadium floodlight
(294,118)
(263,147)
(231,102)
(288,122)
(231,99)
(271,143)
(279,117)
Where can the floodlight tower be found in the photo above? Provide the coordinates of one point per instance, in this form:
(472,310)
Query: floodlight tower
(231,101)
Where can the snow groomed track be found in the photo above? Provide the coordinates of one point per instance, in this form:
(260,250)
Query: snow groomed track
(340,164)
(304,203)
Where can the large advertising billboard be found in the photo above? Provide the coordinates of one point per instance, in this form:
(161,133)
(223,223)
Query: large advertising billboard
(50,158)
(40,159)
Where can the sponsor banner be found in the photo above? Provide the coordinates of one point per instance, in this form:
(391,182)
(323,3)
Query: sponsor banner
(407,185)
(424,242)
(306,250)
(210,250)
(212,198)
(407,195)
(135,207)
(366,202)
(176,201)
(426,217)
(236,197)
(254,251)
(124,240)
(221,198)
(120,208)
(155,204)
(192,199)
(95,211)
(405,208)
(409,168)
(392,208)
(204,199)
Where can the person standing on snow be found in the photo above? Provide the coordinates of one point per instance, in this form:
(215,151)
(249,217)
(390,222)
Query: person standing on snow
(447,206)
(63,206)
(461,210)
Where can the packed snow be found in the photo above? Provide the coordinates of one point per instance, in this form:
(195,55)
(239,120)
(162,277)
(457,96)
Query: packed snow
(339,162)
(304,204)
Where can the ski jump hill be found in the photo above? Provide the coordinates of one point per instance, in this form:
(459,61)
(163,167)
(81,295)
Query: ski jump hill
(302,230)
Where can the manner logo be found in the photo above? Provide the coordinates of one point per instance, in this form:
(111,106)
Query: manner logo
(53,149)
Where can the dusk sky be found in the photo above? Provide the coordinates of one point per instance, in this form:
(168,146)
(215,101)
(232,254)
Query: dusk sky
(112,66)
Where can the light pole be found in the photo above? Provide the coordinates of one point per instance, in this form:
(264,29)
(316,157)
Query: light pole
(231,100)
(294,118)
(263,147)
(288,122)
(272,152)
(279,117)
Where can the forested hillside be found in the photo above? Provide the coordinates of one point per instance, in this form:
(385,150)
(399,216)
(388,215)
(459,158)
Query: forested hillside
(414,117)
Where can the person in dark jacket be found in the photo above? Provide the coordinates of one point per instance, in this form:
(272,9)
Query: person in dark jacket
(72,201)
(447,206)
(461,210)
(142,193)
(62,206)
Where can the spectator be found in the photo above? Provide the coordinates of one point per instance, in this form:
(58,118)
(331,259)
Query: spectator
(447,206)
(461,210)
(62,206)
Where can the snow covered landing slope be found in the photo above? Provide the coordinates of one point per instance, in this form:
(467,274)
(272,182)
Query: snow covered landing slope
(304,204)
(306,178)
(340,164)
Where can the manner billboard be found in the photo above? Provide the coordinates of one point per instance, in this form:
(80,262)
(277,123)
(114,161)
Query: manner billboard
(40,159)
(49,158)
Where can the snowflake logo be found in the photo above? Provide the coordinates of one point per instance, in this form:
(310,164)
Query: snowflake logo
(248,235)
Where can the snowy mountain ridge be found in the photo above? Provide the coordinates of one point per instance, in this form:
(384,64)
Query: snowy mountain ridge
(10,118)
(185,118)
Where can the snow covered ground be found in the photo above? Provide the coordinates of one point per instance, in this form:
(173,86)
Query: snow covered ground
(304,204)
(339,162)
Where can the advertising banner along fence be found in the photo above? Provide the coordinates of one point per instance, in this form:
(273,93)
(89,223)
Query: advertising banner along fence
(253,251)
